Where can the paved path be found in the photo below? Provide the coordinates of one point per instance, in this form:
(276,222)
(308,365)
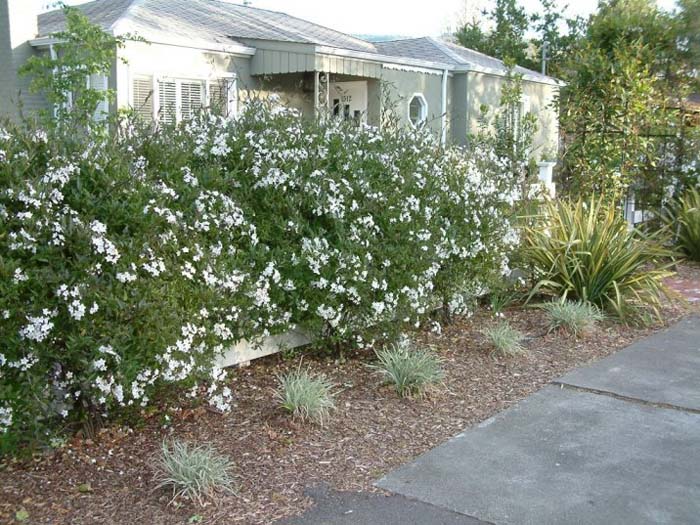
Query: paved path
(612,443)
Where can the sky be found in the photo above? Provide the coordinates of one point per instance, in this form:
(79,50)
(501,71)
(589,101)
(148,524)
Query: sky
(400,17)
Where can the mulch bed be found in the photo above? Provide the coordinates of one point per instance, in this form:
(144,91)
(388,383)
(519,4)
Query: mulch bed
(371,432)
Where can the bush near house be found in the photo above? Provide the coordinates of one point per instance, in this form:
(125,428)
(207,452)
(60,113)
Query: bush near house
(585,250)
(132,260)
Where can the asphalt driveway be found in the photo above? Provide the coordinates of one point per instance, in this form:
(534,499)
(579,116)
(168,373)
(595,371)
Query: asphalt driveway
(614,442)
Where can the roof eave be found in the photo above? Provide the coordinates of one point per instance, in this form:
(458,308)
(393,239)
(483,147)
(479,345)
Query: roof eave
(471,68)
(44,41)
(233,49)
(377,57)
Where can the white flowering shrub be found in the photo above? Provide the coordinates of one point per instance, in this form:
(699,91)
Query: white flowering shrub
(133,261)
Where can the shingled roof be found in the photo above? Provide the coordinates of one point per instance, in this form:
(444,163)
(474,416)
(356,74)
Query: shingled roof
(210,20)
(222,22)
(434,50)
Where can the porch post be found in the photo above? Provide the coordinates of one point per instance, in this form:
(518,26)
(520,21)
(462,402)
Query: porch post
(321,93)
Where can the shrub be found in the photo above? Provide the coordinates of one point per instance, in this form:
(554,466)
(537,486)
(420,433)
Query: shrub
(505,339)
(409,369)
(683,217)
(306,396)
(586,251)
(576,317)
(132,261)
(193,472)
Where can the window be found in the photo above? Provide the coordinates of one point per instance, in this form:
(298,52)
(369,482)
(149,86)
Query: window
(179,99)
(100,83)
(167,101)
(142,102)
(223,98)
(417,110)
(172,100)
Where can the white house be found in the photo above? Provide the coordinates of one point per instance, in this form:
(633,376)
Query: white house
(213,52)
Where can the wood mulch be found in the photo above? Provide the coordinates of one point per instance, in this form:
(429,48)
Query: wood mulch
(371,432)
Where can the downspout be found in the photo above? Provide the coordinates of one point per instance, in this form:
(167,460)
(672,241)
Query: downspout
(443,134)
(54,56)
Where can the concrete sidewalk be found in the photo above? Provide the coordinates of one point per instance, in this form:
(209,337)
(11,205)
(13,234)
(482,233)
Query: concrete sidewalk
(612,443)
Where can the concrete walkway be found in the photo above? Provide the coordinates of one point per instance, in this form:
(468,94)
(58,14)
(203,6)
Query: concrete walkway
(617,442)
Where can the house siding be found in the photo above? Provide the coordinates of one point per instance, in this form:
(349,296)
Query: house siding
(401,85)
(17,25)
(459,109)
(178,62)
(485,89)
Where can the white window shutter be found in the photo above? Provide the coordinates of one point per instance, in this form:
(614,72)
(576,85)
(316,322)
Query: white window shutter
(143,98)
(191,99)
(100,82)
(167,96)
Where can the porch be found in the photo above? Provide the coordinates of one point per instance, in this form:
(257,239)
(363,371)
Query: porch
(322,83)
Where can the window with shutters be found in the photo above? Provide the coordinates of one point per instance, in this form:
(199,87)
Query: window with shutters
(175,100)
(223,97)
(142,102)
(99,82)
(191,99)
(168,101)
(179,99)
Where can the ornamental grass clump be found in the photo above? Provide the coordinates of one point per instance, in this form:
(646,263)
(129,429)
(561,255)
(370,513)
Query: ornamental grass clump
(409,369)
(195,472)
(585,250)
(308,396)
(574,317)
(505,340)
(683,217)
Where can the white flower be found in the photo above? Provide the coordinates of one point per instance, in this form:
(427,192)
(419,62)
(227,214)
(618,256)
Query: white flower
(19,276)
(378,308)
(5,418)
(38,327)
(126,277)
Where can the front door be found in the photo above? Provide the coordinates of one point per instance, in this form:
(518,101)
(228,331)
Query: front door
(348,100)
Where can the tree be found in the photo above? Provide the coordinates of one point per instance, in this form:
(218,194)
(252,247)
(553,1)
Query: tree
(507,131)
(547,26)
(689,36)
(82,50)
(507,37)
(605,118)
(621,109)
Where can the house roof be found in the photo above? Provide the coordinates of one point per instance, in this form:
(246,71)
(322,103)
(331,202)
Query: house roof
(225,23)
(211,20)
(432,49)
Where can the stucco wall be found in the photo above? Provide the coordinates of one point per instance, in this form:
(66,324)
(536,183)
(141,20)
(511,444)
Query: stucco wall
(401,85)
(180,62)
(486,89)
